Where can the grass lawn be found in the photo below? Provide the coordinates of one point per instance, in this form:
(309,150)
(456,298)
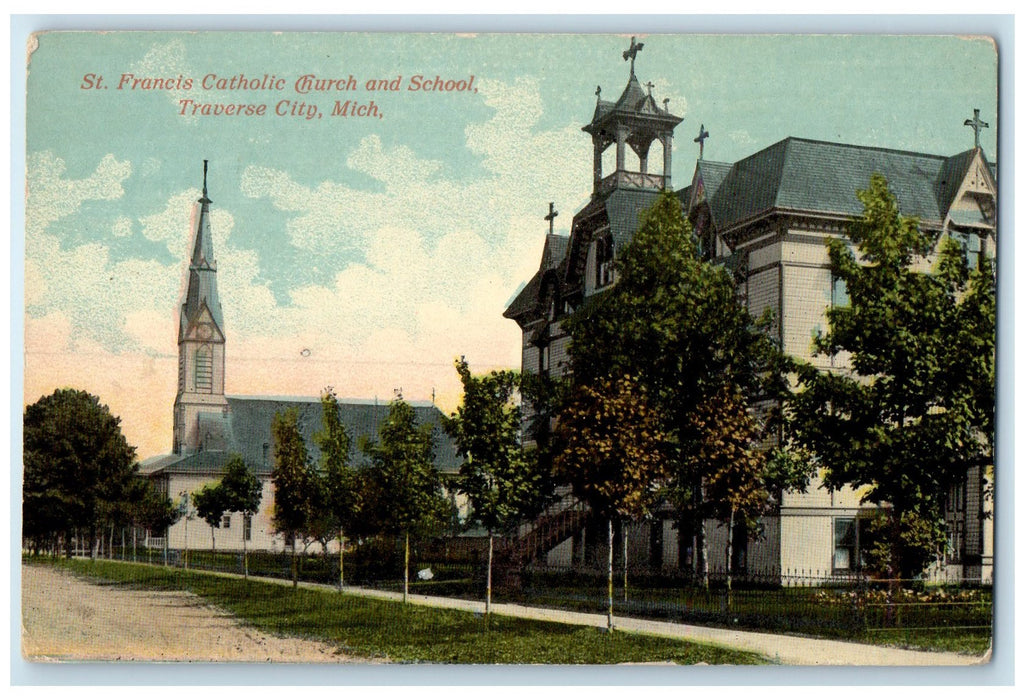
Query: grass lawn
(407,633)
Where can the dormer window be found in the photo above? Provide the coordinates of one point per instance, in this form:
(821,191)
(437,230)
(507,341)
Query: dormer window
(604,257)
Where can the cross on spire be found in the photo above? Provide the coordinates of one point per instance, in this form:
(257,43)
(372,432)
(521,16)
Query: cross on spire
(700,140)
(649,85)
(597,92)
(204,179)
(977,125)
(551,217)
(631,53)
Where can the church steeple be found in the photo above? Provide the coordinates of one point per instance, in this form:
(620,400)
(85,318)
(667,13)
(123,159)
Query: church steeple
(200,339)
(634,120)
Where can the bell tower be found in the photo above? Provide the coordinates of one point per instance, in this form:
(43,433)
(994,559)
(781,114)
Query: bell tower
(200,340)
(634,121)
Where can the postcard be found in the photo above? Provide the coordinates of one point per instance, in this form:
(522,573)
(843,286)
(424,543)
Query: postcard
(349,348)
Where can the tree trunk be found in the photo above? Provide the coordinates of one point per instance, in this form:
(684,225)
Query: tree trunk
(213,540)
(704,544)
(491,549)
(341,558)
(626,557)
(186,541)
(295,565)
(135,535)
(405,574)
(245,550)
(729,557)
(610,575)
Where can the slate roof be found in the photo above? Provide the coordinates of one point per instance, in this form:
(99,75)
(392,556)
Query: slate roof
(552,256)
(821,177)
(632,102)
(250,420)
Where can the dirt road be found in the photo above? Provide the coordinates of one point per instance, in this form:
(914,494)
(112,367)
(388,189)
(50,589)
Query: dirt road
(68,619)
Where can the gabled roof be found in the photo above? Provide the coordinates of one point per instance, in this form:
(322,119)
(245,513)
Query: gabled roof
(821,177)
(551,257)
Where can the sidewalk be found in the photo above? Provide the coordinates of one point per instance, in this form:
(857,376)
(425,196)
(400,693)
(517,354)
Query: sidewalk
(780,648)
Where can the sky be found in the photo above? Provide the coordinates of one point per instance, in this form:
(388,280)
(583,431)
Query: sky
(366,253)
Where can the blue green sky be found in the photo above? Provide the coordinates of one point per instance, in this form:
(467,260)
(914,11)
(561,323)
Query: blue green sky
(366,254)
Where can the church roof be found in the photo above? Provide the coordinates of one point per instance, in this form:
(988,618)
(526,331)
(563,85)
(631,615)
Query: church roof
(820,177)
(251,418)
(248,429)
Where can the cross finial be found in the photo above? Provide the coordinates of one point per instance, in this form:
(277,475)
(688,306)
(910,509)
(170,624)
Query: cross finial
(551,217)
(649,85)
(977,125)
(204,178)
(597,92)
(631,53)
(700,140)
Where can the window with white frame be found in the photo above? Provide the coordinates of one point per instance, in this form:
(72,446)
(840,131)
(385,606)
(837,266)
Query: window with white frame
(604,256)
(845,544)
(225,521)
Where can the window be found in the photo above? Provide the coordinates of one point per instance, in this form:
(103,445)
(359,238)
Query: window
(225,522)
(247,527)
(604,255)
(738,563)
(545,359)
(845,544)
(204,369)
(838,293)
(266,453)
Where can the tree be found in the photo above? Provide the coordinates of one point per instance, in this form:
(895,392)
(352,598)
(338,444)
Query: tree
(242,494)
(915,411)
(78,466)
(341,490)
(733,465)
(154,511)
(675,324)
(408,490)
(210,506)
(295,482)
(503,485)
(612,450)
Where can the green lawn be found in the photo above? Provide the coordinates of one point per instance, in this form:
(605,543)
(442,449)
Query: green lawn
(408,633)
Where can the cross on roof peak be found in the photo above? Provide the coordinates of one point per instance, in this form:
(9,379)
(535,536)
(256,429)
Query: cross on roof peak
(700,140)
(977,125)
(631,53)
(551,217)
(649,85)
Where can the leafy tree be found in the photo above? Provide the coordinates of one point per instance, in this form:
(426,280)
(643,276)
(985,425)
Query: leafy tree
(403,482)
(612,450)
(341,488)
(295,483)
(733,464)
(152,510)
(78,465)
(501,482)
(243,492)
(915,411)
(210,505)
(675,324)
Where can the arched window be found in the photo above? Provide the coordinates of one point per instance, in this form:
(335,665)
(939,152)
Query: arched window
(205,370)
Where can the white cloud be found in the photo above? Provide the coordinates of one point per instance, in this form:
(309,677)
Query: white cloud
(52,197)
(165,61)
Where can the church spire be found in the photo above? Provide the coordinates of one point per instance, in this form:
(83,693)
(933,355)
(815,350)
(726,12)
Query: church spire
(202,290)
